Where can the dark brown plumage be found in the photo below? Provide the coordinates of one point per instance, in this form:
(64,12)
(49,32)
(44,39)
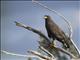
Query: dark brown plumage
(54,31)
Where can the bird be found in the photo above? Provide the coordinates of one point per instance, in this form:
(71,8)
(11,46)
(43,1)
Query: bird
(54,31)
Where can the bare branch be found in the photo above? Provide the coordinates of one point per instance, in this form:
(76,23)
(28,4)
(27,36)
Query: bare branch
(20,55)
(42,48)
(14,54)
(40,55)
(66,52)
(74,49)
(32,29)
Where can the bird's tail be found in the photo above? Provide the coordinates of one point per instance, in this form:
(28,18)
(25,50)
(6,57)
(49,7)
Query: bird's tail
(72,48)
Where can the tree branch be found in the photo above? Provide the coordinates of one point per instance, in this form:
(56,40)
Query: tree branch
(14,54)
(40,55)
(33,30)
(45,50)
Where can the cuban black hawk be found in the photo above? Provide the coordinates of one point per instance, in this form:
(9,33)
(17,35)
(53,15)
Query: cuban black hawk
(54,31)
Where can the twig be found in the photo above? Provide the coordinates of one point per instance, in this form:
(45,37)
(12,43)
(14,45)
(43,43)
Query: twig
(20,55)
(66,52)
(14,54)
(42,48)
(40,55)
(74,48)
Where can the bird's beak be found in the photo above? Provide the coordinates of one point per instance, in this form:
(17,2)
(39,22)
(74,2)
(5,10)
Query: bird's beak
(45,17)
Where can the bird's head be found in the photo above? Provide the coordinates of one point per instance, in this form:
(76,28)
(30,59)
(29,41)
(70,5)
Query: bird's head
(46,17)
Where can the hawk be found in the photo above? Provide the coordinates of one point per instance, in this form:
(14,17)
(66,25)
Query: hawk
(54,31)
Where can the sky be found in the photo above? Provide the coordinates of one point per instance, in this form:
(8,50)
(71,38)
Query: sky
(19,40)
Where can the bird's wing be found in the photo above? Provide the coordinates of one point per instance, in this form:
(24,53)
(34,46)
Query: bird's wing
(60,34)
(57,31)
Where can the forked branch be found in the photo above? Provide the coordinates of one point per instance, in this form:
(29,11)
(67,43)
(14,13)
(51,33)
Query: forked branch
(42,35)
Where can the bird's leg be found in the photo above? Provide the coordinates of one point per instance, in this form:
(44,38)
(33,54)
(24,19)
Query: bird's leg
(52,43)
(65,46)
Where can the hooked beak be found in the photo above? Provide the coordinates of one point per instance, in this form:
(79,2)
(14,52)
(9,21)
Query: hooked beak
(45,17)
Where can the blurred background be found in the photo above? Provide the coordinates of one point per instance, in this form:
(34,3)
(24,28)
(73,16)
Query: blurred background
(18,40)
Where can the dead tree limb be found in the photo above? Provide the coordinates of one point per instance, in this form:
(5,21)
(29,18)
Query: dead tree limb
(46,39)
(33,30)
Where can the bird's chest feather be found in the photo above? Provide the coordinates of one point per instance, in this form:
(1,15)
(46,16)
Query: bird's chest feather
(50,25)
